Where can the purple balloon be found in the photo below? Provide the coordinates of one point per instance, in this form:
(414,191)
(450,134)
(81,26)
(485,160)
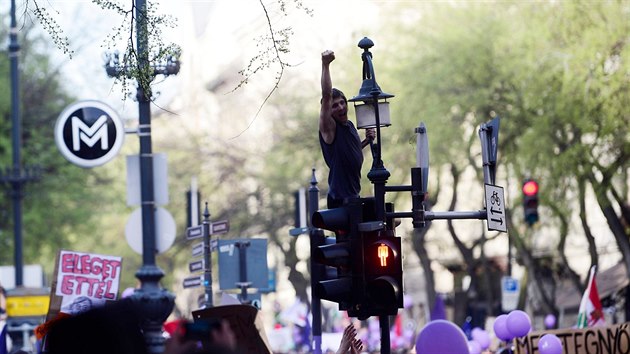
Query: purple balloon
(480,336)
(475,331)
(500,328)
(474,347)
(550,321)
(441,337)
(518,323)
(550,344)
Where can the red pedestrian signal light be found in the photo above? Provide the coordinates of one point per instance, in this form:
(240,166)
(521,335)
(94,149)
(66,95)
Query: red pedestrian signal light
(383,253)
(383,274)
(530,201)
(368,279)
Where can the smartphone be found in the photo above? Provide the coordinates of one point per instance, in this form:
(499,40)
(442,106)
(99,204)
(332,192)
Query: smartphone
(199,330)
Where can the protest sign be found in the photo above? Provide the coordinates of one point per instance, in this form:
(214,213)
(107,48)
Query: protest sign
(601,340)
(84,280)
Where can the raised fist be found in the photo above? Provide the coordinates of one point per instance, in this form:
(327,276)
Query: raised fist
(328,56)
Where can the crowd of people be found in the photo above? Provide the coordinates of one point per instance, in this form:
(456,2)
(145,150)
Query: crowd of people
(116,328)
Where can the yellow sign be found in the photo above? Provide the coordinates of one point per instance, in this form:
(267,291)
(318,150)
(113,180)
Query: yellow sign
(34,305)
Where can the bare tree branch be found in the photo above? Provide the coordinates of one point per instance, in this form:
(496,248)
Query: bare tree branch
(273,54)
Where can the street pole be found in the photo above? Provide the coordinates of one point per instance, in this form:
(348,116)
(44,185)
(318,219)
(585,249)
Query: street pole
(16,135)
(378,174)
(207,259)
(243,284)
(317,270)
(316,238)
(370,93)
(16,176)
(154,302)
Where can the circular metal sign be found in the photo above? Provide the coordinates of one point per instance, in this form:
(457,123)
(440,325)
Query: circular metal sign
(165,230)
(89,133)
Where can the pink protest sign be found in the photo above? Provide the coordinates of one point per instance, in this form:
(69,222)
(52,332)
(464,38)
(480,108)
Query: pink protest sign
(85,280)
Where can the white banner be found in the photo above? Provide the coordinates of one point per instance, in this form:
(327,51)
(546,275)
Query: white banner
(86,280)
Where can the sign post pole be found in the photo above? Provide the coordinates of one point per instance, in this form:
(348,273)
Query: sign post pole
(204,248)
(207,258)
(242,260)
(317,270)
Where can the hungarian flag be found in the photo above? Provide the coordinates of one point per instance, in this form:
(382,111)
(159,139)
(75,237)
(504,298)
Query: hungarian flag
(590,313)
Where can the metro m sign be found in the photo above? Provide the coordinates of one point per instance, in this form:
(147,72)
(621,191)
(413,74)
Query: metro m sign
(89,133)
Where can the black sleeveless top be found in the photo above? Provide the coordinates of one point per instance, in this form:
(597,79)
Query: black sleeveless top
(344,159)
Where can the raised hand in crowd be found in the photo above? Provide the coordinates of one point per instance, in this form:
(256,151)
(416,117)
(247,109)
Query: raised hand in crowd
(349,342)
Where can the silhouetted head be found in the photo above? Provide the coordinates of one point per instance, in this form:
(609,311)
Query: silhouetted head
(109,329)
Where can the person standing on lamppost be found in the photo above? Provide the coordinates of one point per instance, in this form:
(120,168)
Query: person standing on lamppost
(339,140)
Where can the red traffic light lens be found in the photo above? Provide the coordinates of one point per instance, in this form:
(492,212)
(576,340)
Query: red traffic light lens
(530,188)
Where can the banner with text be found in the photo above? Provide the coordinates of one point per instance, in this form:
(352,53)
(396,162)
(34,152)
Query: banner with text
(597,340)
(85,280)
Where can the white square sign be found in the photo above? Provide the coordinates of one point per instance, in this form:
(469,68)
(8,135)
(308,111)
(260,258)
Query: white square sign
(495,208)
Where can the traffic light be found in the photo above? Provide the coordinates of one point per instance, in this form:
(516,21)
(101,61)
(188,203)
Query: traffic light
(367,256)
(383,272)
(530,201)
(342,254)
(378,292)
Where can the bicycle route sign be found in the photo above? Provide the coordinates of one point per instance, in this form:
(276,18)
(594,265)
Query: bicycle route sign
(495,208)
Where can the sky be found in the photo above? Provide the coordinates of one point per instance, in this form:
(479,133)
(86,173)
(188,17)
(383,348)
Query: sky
(220,27)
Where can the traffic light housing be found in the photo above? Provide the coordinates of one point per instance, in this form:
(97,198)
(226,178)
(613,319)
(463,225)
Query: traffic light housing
(383,273)
(367,256)
(530,201)
(343,221)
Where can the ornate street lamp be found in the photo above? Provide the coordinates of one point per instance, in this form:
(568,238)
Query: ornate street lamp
(371,106)
(153,302)
(372,111)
